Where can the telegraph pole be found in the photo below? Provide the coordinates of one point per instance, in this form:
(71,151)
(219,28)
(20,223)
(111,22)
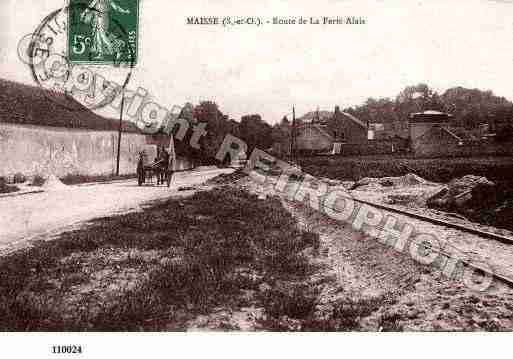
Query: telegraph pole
(293,152)
(120,130)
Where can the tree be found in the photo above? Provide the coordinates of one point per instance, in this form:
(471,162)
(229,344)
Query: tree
(284,122)
(187,113)
(217,127)
(255,132)
(281,134)
(472,107)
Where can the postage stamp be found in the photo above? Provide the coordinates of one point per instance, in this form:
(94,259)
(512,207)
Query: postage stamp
(103,31)
(85,85)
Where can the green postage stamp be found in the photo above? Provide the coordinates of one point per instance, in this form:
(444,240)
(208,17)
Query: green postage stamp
(103,31)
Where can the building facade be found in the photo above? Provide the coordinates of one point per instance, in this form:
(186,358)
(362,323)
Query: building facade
(422,122)
(318,132)
(346,128)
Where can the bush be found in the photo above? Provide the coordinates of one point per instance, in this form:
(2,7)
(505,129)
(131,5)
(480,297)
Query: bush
(38,181)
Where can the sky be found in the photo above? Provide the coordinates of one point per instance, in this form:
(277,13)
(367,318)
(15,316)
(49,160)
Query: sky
(268,69)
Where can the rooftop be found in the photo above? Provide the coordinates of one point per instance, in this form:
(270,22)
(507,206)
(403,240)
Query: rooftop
(430,116)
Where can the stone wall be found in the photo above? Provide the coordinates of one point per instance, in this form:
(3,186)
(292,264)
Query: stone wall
(41,150)
(373,147)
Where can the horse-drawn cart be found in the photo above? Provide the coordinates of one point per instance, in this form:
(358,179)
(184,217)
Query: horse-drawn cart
(161,168)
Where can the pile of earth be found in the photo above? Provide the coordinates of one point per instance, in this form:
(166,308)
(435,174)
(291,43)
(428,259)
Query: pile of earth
(407,180)
(467,192)
(476,198)
(472,197)
(52,183)
(408,190)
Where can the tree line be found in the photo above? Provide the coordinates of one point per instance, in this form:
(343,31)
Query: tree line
(469,107)
(252,129)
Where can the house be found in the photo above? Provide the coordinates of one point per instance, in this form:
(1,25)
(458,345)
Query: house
(422,122)
(321,131)
(346,128)
(432,134)
(313,138)
(337,133)
(429,133)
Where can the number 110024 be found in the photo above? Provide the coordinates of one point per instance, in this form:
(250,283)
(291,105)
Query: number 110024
(66,349)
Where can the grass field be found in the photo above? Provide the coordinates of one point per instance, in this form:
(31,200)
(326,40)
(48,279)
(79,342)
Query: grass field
(433,169)
(162,267)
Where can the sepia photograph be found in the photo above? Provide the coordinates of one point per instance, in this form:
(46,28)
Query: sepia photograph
(212,168)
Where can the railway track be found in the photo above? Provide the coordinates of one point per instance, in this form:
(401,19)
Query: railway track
(507,280)
(481,233)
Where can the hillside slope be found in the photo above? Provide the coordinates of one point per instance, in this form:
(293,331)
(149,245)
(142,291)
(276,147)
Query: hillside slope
(30,105)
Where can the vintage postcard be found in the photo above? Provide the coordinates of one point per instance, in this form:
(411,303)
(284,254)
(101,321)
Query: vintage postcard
(275,166)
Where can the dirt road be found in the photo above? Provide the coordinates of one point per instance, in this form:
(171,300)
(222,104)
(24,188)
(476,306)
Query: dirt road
(43,215)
